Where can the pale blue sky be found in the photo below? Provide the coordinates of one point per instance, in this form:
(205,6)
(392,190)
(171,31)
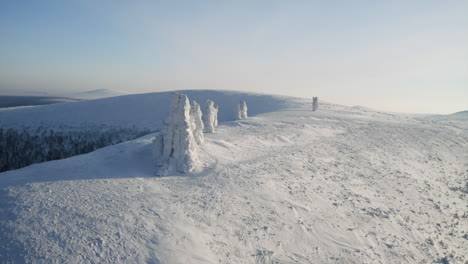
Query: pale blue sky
(407,56)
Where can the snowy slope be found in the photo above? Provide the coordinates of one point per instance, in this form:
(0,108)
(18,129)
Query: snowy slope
(139,110)
(458,116)
(340,185)
(21,101)
(97,94)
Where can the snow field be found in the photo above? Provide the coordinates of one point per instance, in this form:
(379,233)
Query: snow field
(339,185)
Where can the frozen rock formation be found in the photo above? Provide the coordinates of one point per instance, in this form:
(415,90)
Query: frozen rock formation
(242,110)
(216,115)
(314,104)
(196,115)
(176,148)
(210,117)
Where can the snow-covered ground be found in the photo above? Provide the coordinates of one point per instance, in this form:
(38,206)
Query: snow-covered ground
(142,111)
(288,185)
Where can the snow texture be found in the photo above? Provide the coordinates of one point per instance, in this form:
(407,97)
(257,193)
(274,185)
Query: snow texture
(196,115)
(210,118)
(176,147)
(314,104)
(340,185)
(242,110)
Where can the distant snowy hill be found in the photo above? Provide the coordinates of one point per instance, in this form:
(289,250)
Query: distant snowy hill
(139,110)
(16,101)
(287,185)
(458,116)
(97,94)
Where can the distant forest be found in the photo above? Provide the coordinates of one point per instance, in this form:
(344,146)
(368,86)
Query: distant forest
(22,148)
(14,101)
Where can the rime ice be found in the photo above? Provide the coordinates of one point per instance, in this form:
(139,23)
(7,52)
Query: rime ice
(196,116)
(314,104)
(176,148)
(242,110)
(210,118)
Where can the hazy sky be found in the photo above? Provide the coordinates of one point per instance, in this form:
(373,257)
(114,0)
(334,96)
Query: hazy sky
(407,56)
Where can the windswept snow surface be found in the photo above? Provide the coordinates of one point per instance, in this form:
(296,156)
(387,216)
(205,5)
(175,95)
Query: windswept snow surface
(339,185)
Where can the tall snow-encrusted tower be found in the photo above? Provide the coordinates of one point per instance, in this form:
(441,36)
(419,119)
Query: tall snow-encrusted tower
(216,107)
(314,104)
(210,117)
(242,110)
(196,115)
(176,147)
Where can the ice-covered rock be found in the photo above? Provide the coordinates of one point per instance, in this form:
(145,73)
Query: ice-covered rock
(242,110)
(314,104)
(196,115)
(216,115)
(210,117)
(176,147)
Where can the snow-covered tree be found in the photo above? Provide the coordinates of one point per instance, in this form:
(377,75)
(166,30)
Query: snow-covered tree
(314,104)
(176,147)
(22,147)
(196,115)
(210,117)
(242,110)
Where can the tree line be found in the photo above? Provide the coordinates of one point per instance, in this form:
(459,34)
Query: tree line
(20,148)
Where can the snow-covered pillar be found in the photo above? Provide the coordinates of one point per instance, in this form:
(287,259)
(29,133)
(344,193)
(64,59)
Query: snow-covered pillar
(196,115)
(176,149)
(242,110)
(210,117)
(314,104)
(216,108)
(244,107)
